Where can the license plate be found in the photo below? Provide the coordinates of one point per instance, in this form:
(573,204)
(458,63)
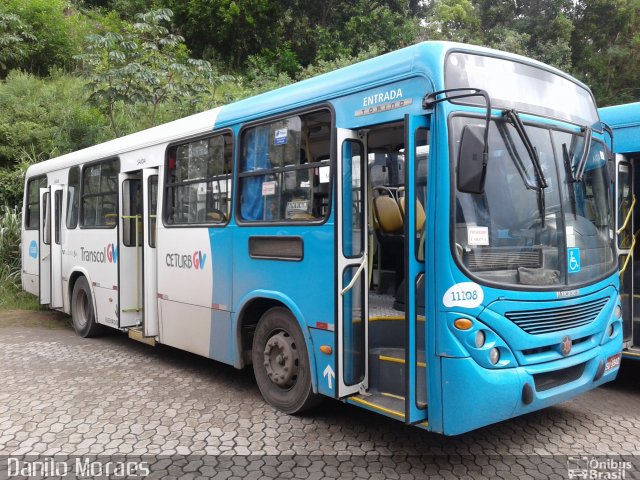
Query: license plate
(612,362)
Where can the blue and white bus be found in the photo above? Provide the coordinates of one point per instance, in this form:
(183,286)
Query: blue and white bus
(624,121)
(427,234)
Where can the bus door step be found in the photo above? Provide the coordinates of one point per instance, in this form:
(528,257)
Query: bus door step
(385,403)
(387,373)
(632,352)
(138,335)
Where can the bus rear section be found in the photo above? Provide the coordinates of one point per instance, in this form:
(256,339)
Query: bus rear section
(624,121)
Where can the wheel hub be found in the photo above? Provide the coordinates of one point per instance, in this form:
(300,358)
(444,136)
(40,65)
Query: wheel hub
(281,359)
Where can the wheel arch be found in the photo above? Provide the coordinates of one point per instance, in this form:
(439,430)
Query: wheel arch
(76,273)
(251,307)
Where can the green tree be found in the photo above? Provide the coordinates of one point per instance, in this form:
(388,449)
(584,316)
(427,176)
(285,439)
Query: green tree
(145,64)
(605,48)
(14,40)
(230,29)
(454,20)
(42,118)
(52,23)
(542,30)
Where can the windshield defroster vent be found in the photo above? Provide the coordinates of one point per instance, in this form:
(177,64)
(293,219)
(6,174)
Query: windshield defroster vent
(555,319)
(497,259)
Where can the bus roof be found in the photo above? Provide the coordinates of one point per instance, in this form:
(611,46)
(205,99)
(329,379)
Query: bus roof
(625,122)
(426,59)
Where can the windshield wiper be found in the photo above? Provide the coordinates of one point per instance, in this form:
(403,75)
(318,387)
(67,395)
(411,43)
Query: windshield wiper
(584,156)
(512,116)
(509,143)
(569,173)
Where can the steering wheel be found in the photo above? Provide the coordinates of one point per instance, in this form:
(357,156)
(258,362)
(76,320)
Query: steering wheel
(216,215)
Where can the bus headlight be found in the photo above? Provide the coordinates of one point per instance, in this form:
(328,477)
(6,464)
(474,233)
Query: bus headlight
(494,355)
(480,342)
(611,330)
(618,311)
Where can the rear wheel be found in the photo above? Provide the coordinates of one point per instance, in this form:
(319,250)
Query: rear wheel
(84,320)
(281,363)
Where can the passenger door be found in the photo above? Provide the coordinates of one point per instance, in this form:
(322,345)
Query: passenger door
(56,246)
(352,265)
(130,301)
(625,203)
(150,256)
(416,160)
(44,240)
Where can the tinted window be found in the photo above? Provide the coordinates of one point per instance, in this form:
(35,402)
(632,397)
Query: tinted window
(73,197)
(100,194)
(57,216)
(32,208)
(198,188)
(285,169)
(153,209)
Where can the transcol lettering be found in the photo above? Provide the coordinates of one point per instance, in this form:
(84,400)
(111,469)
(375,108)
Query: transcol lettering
(108,254)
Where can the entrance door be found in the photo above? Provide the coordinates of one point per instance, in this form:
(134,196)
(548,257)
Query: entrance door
(416,160)
(130,233)
(352,249)
(44,239)
(625,202)
(56,246)
(150,256)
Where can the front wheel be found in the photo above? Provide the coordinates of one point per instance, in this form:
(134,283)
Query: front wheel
(281,363)
(84,319)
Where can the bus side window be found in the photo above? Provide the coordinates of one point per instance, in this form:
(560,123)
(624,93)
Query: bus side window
(198,181)
(285,169)
(57,218)
(32,210)
(46,233)
(153,209)
(100,194)
(73,197)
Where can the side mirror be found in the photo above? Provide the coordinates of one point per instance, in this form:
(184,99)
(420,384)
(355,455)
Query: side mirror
(472,162)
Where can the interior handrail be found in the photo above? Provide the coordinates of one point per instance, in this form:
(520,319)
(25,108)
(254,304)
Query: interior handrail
(355,277)
(626,220)
(630,255)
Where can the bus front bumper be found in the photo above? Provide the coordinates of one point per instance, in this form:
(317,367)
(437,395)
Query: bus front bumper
(474,396)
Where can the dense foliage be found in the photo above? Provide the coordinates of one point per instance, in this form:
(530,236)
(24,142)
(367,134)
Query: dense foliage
(77,72)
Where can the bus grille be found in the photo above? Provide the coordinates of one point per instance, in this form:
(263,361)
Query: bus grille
(549,380)
(555,319)
(502,260)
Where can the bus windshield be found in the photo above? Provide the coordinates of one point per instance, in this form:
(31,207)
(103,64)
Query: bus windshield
(521,232)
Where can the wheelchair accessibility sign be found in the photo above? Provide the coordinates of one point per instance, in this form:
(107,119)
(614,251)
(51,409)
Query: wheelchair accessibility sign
(573,258)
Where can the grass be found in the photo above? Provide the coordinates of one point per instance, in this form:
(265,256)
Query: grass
(12,297)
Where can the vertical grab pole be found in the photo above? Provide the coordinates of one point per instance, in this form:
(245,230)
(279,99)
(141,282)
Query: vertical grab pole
(138,282)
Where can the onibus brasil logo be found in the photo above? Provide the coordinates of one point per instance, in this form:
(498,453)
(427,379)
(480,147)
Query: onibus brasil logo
(108,254)
(177,260)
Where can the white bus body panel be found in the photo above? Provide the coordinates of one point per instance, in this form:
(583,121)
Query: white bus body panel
(31,261)
(92,250)
(194,287)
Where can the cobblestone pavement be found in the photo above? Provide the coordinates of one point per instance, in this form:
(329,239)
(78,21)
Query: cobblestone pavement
(63,395)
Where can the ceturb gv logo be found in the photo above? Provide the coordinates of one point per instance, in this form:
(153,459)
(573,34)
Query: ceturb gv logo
(108,254)
(197,260)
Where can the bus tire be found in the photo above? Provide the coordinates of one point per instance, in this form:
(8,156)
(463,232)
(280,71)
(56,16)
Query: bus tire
(281,363)
(82,314)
